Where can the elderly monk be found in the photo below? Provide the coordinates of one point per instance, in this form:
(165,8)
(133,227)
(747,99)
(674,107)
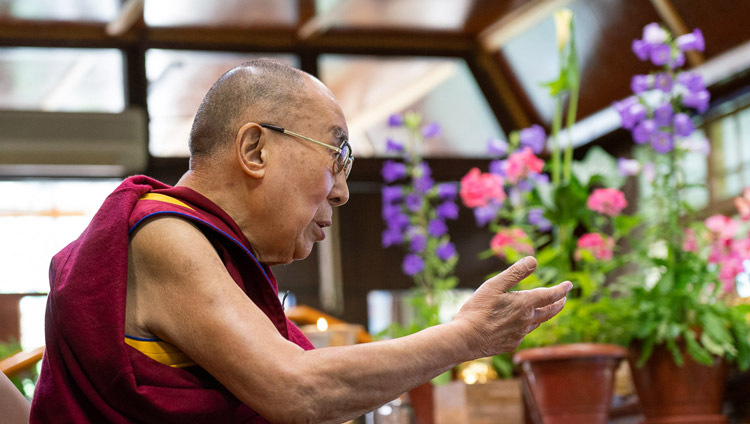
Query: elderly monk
(165,308)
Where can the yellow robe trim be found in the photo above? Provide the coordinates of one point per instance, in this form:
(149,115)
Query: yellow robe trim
(161,351)
(164,198)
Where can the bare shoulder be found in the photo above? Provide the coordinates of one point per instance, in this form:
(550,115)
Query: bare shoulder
(169,262)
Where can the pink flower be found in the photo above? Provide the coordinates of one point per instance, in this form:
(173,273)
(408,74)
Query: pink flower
(511,238)
(690,242)
(599,245)
(607,201)
(730,267)
(521,163)
(479,189)
(722,226)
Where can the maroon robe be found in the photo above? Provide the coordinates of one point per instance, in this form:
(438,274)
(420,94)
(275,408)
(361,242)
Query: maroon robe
(89,373)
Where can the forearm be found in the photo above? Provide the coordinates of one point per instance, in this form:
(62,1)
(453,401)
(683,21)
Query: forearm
(356,379)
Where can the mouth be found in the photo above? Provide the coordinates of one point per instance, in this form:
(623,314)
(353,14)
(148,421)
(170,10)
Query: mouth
(321,235)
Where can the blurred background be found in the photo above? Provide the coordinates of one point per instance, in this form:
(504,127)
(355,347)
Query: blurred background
(92,91)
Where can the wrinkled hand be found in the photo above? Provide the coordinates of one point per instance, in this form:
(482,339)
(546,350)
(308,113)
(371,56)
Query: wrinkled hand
(495,321)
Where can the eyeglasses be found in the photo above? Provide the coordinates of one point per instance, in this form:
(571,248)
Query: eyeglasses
(344,158)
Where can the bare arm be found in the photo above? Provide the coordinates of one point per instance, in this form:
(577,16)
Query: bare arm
(185,296)
(14,407)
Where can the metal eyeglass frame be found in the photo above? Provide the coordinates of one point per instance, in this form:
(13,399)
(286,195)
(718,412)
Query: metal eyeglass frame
(346,163)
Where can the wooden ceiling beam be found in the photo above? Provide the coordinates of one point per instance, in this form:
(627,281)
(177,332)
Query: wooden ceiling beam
(674,21)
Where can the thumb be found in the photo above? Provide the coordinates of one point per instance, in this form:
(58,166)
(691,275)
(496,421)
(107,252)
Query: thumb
(513,275)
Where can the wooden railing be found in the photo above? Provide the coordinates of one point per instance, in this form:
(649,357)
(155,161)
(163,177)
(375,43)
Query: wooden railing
(21,361)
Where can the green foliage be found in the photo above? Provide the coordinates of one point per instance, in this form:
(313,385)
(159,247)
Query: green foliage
(24,383)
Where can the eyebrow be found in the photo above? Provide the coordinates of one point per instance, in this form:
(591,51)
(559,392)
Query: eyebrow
(340,134)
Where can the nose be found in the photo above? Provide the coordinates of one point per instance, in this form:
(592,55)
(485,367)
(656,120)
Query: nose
(340,192)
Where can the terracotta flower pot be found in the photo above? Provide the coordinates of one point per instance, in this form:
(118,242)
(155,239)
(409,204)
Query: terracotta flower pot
(570,384)
(423,402)
(670,394)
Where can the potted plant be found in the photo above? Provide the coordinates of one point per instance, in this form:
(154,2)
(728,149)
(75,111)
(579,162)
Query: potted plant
(415,210)
(681,328)
(571,219)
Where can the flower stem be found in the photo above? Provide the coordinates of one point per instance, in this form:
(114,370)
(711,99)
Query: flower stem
(570,121)
(556,125)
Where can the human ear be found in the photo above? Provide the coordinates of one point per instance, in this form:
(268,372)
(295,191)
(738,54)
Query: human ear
(250,149)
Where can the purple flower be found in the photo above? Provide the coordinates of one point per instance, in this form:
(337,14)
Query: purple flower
(431,130)
(640,83)
(497,147)
(423,184)
(697,100)
(391,236)
(536,217)
(533,137)
(393,171)
(485,214)
(663,115)
(691,81)
(394,218)
(641,49)
(424,169)
(631,112)
(498,167)
(683,126)
(654,34)
(542,179)
(417,243)
(447,190)
(436,228)
(692,41)
(413,202)
(525,185)
(662,142)
(663,81)
(660,54)
(446,251)
(389,211)
(678,60)
(628,167)
(391,194)
(644,131)
(396,120)
(412,264)
(447,210)
(393,146)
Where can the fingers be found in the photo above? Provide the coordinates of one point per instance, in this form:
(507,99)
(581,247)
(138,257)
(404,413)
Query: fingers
(515,273)
(546,312)
(544,296)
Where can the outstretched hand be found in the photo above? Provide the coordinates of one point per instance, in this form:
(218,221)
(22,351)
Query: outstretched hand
(495,320)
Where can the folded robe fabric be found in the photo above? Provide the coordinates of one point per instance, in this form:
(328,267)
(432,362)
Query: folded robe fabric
(89,374)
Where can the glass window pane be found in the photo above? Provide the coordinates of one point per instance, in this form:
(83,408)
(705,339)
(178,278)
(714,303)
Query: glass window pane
(37,219)
(242,13)
(370,89)
(60,10)
(61,79)
(424,14)
(178,80)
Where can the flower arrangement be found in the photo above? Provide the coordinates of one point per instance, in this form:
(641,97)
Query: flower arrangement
(567,213)
(415,210)
(678,290)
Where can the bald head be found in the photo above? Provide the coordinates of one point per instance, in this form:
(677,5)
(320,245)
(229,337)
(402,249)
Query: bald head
(262,90)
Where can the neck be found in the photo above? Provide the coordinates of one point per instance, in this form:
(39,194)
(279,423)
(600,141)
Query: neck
(226,192)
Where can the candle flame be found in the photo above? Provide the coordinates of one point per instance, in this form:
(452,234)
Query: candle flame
(322,324)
